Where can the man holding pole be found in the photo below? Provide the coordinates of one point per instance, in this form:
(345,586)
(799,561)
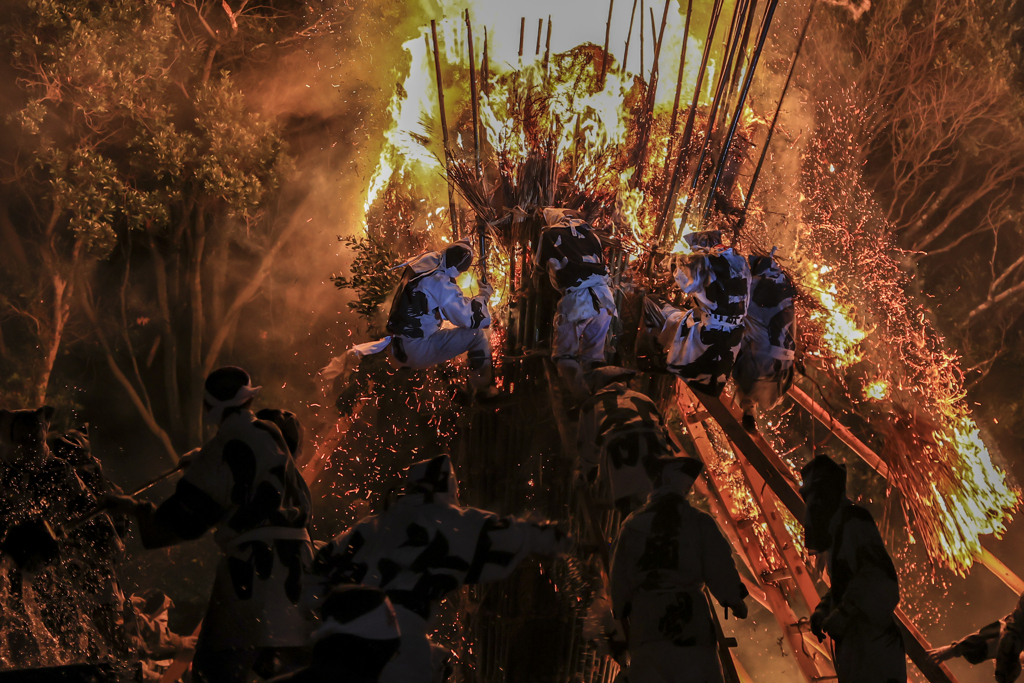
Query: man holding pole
(244,484)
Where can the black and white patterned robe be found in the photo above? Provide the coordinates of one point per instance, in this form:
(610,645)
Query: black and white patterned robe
(666,553)
(702,342)
(424,547)
(621,433)
(244,484)
(764,367)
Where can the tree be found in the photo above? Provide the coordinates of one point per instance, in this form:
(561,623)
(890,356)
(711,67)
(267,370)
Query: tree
(143,178)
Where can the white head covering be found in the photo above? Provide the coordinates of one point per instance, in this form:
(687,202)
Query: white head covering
(218,406)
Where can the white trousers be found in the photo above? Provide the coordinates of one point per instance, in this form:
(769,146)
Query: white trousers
(582,340)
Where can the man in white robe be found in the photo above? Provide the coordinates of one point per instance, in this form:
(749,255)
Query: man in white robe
(764,368)
(244,484)
(621,435)
(571,254)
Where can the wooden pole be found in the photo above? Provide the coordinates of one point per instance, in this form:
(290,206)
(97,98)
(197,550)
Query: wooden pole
(540,32)
(473,96)
(607,37)
(629,36)
(485,84)
(668,213)
(522,34)
(712,114)
(679,92)
(444,132)
(547,47)
(643,20)
(747,80)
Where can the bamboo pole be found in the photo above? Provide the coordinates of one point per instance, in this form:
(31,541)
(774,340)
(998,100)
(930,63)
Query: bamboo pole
(485,85)
(778,108)
(668,213)
(547,47)
(643,20)
(540,32)
(444,132)
(647,119)
(698,172)
(607,37)
(747,80)
(675,103)
(522,34)
(475,107)
(629,36)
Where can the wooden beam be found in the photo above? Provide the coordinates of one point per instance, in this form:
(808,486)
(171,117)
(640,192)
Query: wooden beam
(750,446)
(985,557)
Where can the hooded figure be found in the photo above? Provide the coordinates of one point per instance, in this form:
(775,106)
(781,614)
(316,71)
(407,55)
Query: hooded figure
(424,547)
(764,367)
(426,297)
(701,343)
(572,256)
(666,553)
(358,636)
(244,484)
(622,433)
(857,612)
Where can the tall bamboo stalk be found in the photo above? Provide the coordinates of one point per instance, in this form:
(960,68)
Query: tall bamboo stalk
(474,105)
(540,32)
(522,34)
(679,92)
(607,37)
(747,80)
(713,113)
(629,36)
(668,213)
(647,118)
(485,83)
(444,132)
(643,20)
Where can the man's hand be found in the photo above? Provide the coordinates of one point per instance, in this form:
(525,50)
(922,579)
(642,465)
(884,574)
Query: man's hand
(740,609)
(186,460)
(942,654)
(118,504)
(818,617)
(836,624)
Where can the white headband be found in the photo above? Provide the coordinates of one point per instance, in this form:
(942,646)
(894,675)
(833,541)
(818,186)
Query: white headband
(379,623)
(217,406)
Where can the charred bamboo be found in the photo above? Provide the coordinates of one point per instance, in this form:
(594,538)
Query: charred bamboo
(444,133)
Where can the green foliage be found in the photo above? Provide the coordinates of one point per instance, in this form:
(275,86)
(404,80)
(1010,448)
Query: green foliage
(372,278)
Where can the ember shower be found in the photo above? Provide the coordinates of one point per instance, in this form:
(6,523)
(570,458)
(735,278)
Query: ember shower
(549,111)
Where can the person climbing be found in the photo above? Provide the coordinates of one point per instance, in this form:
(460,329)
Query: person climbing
(571,254)
(700,344)
(666,553)
(244,484)
(857,613)
(424,547)
(621,433)
(765,365)
(357,637)
(426,297)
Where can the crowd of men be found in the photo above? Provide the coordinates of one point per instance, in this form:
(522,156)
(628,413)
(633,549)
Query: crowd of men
(359,607)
